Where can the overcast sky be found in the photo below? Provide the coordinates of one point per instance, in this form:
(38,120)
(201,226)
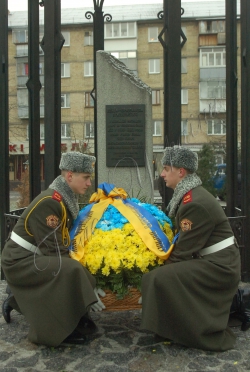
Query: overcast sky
(23,4)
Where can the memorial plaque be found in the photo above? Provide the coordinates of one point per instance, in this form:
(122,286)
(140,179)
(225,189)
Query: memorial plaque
(125,135)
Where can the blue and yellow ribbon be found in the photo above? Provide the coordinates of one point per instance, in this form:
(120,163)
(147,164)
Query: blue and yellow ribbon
(145,224)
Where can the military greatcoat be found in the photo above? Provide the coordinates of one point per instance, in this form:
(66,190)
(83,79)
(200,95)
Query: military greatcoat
(52,290)
(188,299)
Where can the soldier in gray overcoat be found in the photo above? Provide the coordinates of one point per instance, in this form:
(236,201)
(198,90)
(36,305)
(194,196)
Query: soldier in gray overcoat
(188,299)
(53,291)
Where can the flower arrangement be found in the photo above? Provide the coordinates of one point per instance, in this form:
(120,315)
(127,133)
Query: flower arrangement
(115,251)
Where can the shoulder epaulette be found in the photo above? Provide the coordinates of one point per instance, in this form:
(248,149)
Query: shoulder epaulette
(187,198)
(56,196)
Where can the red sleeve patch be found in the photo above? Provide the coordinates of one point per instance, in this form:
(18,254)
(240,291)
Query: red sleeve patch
(57,196)
(187,197)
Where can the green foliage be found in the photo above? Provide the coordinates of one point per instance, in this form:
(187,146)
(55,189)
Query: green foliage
(121,282)
(206,167)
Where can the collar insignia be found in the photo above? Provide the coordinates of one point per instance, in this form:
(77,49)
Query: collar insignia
(57,196)
(187,197)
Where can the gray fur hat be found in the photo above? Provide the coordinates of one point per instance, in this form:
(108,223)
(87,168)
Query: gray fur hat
(180,157)
(77,162)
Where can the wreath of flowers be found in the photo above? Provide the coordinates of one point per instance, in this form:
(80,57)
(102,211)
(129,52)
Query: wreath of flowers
(116,255)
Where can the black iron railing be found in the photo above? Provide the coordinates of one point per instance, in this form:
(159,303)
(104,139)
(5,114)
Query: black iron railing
(11,219)
(237,224)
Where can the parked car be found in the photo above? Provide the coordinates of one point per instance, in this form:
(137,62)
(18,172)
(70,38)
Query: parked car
(220,182)
(220,177)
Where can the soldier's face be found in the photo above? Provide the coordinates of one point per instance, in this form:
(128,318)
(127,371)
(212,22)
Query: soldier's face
(171,176)
(79,182)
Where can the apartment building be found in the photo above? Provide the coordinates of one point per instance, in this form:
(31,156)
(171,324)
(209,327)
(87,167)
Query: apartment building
(132,37)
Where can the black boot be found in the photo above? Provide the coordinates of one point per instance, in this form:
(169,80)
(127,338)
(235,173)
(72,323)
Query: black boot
(75,338)
(6,308)
(240,308)
(86,325)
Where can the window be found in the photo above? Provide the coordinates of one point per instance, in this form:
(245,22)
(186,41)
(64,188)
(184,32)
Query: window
(41,131)
(157,128)
(155,97)
(184,127)
(65,130)
(41,33)
(42,98)
(212,90)
(20,36)
(129,58)
(184,65)
(65,101)
(41,68)
(212,27)
(152,34)
(22,69)
(219,159)
(65,70)
(89,102)
(216,126)
(120,30)
(184,96)
(88,38)
(89,68)
(89,130)
(154,66)
(21,50)
(66,35)
(213,57)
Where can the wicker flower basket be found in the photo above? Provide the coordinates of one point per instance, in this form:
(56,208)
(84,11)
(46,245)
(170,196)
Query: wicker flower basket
(129,302)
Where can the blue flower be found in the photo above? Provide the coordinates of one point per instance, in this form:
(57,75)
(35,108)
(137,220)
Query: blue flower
(113,219)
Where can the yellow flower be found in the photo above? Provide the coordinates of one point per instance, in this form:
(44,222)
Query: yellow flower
(120,248)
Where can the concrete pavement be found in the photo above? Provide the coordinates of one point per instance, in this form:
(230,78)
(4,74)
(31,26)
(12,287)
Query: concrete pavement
(119,346)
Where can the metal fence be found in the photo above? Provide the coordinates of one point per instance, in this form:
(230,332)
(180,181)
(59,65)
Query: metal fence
(237,224)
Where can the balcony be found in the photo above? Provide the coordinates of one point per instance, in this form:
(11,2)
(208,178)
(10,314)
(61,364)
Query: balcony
(212,73)
(23,112)
(22,50)
(22,80)
(212,106)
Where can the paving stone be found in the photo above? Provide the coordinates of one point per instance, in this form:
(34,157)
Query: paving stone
(118,346)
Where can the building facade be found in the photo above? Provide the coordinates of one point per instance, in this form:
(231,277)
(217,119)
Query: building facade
(132,37)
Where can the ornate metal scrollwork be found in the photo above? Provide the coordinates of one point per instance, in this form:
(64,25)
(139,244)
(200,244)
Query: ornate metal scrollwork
(88,15)
(92,93)
(184,38)
(108,17)
(160,15)
(98,4)
(161,39)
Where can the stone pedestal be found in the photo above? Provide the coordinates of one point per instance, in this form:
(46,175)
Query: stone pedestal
(124,128)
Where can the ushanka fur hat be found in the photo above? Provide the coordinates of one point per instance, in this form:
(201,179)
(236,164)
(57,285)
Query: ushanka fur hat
(77,162)
(180,157)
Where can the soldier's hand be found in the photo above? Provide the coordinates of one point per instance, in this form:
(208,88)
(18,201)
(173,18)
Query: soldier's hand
(99,305)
